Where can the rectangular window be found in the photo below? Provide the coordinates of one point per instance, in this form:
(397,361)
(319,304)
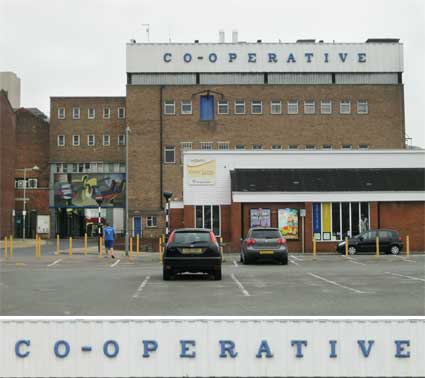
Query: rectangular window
(75,140)
(61,140)
(106,113)
(106,139)
(74,167)
(362,107)
(223,107)
(169,107)
(257,147)
(347,146)
(276,146)
(91,140)
(256,107)
(61,113)
(309,107)
(208,217)
(75,113)
(151,221)
(240,147)
(121,140)
(364,146)
(91,113)
(223,145)
(31,183)
(310,147)
(206,108)
(184,146)
(293,107)
(121,113)
(293,147)
(206,145)
(186,107)
(239,107)
(345,107)
(327,147)
(326,107)
(170,154)
(276,107)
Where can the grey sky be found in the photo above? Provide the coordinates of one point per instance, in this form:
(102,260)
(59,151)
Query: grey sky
(77,47)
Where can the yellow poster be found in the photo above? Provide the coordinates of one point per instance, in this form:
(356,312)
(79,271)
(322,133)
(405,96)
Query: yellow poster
(326,218)
(201,172)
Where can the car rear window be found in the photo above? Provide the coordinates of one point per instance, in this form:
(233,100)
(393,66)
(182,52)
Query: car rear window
(265,234)
(191,237)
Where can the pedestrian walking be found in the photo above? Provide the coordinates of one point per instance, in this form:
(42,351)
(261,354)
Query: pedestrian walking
(109,235)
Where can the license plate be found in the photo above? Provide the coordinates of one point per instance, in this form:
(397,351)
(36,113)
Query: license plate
(192,250)
(266,252)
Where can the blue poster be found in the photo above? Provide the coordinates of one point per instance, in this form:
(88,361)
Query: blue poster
(317,217)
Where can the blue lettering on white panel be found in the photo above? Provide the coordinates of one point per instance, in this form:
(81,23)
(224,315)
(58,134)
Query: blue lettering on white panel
(227,348)
(185,349)
(252,57)
(187,58)
(232,57)
(309,56)
(401,351)
(148,347)
(362,57)
(343,57)
(326,57)
(291,58)
(108,345)
(212,57)
(18,350)
(264,348)
(167,57)
(365,351)
(299,344)
(333,349)
(57,348)
(272,58)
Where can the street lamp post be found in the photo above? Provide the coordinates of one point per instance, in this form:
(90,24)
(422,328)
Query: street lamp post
(167,196)
(24,211)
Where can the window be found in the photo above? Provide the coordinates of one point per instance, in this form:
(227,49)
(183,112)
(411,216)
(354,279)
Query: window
(106,139)
(256,107)
(61,113)
(223,107)
(362,107)
(185,146)
(276,146)
(257,147)
(309,107)
(326,107)
(223,145)
(345,107)
(293,107)
(293,147)
(76,113)
(310,147)
(347,146)
(91,140)
(61,140)
(75,140)
(240,147)
(91,113)
(364,146)
(74,167)
(31,183)
(151,221)
(276,107)
(106,113)
(121,113)
(327,147)
(186,107)
(240,107)
(169,107)
(169,154)
(208,217)
(121,140)
(206,108)
(206,145)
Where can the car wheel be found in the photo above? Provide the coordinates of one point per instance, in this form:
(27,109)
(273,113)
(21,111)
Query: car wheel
(245,260)
(166,274)
(284,260)
(241,257)
(352,250)
(217,274)
(395,250)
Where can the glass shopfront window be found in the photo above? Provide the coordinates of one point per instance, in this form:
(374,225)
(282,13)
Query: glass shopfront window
(208,217)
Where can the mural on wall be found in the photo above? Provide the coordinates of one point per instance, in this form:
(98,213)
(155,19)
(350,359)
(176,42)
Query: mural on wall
(82,189)
(260,217)
(288,223)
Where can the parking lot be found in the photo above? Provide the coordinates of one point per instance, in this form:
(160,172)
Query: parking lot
(330,285)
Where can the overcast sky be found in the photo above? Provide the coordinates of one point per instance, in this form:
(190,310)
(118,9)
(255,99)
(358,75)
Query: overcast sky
(77,47)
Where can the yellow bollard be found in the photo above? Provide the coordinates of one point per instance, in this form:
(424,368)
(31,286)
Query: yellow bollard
(85,244)
(10,246)
(377,246)
(221,246)
(407,245)
(131,247)
(36,245)
(101,247)
(346,247)
(70,246)
(314,249)
(57,245)
(39,246)
(5,246)
(137,245)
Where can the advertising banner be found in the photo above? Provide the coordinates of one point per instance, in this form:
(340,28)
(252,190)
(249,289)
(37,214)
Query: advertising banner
(317,220)
(201,172)
(260,217)
(288,223)
(82,189)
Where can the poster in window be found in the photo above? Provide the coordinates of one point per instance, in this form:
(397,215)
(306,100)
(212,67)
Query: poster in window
(260,218)
(288,223)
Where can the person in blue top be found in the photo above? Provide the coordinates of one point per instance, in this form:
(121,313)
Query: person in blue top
(109,235)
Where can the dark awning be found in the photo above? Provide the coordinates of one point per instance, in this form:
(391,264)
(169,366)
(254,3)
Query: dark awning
(328,180)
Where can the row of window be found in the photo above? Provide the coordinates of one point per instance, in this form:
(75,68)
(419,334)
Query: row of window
(91,113)
(29,183)
(223,107)
(170,150)
(88,167)
(91,140)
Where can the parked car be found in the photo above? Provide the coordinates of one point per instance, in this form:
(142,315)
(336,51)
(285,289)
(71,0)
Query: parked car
(264,243)
(390,241)
(192,250)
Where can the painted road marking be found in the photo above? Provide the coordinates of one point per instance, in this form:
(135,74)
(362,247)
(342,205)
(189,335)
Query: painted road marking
(296,258)
(140,288)
(350,259)
(337,284)
(401,275)
(244,291)
(115,263)
(235,263)
(55,262)
(405,259)
(293,262)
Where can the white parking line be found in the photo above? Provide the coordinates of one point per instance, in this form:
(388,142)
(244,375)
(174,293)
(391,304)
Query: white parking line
(337,284)
(235,263)
(405,259)
(140,288)
(55,262)
(350,259)
(293,262)
(244,291)
(296,258)
(401,275)
(115,263)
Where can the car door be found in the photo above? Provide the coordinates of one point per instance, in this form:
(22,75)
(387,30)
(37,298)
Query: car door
(368,243)
(384,240)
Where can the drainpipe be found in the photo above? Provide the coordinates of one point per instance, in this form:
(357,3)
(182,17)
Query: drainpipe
(161,157)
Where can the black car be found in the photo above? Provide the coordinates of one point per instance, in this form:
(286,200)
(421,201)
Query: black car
(192,250)
(264,243)
(390,241)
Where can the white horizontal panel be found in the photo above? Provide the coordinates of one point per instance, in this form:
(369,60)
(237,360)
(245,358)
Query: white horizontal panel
(163,79)
(300,78)
(366,78)
(232,78)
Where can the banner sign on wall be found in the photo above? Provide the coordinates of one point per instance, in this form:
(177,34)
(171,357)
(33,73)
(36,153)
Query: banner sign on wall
(288,223)
(317,220)
(260,217)
(201,172)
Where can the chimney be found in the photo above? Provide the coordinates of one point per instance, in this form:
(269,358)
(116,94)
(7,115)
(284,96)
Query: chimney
(221,37)
(234,36)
